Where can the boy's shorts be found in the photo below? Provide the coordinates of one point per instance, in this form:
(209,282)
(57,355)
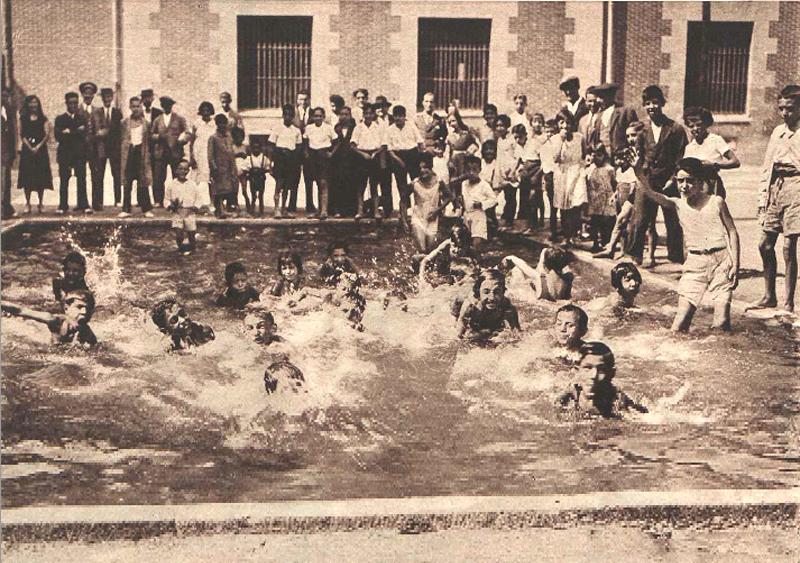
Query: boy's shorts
(475,221)
(706,274)
(783,213)
(184,219)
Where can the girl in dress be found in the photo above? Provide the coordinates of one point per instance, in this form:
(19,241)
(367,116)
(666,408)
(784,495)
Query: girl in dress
(202,130)
(601,186)
(569,180)
(34,163)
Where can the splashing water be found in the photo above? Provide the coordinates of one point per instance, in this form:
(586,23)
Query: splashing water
(103,270)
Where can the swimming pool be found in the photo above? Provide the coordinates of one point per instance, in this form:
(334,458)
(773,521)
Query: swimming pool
(401,409)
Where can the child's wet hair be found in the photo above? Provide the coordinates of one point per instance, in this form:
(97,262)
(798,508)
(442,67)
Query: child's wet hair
(85,295)
(266,318)
(580,315)
(292,373)
(291,258)
(491,274)
(556,258)
(596,348)
(232,269)
(619,271)
(338,244)
(159,312)
(460,235)
(74,257)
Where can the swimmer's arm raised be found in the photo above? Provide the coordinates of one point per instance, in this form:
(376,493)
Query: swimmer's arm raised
(25,313)
(521,264)
(430,256)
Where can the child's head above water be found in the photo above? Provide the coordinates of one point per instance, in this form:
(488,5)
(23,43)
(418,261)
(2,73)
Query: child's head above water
(626,279)
(460,239)
(264,325)
(338,252)
(78,305)
(170,316)
(236,276)
(290,265)
(572,324)
(557,258)
(490,288)
(596,364)
(74,265)
(349,284)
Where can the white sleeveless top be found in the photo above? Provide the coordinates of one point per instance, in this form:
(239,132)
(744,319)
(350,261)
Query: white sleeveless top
(702,229)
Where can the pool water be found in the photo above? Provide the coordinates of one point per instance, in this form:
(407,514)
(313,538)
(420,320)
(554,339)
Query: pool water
(400,409)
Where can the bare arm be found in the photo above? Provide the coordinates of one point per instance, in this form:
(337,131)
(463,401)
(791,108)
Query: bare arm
(431,255)
(729,161)
(647,191)
(25,313)
(733,241)
(522,265)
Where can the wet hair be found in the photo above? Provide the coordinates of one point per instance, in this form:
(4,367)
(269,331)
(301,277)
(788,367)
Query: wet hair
(653,92)
(460,235)
(489,107)
(556,258)
(337,101)
(503,119)
(399,111)
(338,244)
(87,297)
(519,129)
(159,312)
(283,365)
(205,105)
(704,115)
(491,274)
(220,119)
(637,126)
(619,271)
(580,315)
(595,348)
(266,318)
(74,257)
(232,269)
(291,257)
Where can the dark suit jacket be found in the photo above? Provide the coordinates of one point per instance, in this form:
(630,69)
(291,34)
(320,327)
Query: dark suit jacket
(582,110)
(301,123)
(154,113)
(106,132)
(661,158)
(167,145)
(432,132)
(72,147)
(341,145)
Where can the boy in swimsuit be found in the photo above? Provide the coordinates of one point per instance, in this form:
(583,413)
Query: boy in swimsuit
(551,279)
(627,281)
(238,293)
(595,393)
(74,266)
(452,261)
(337,263)
(69,327)
(572,324)
(290,269)
(170,317)
(488,311)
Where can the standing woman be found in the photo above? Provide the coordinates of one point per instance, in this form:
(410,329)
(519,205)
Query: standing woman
(202,129)
(221,164)
(34,163)
(569,179)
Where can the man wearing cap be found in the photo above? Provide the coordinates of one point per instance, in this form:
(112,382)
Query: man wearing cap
(169,135)
(85,108)
(574,103)
(149,112)
(779,200)
(107,127)
(661,144)
(302,117)
(70,133)
(612,120)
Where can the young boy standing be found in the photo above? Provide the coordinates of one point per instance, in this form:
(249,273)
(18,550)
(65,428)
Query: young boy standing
(182,195)
(405,145)
(478,197)
(368,140)
(287,141)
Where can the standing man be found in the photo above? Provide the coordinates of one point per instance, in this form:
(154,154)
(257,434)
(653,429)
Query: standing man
(234,119)
(70,132)
(661,144)
(587,125)
(361,97)
(430,125)
(574,103)
(613,120)
(134,156)
(169,135)
(107,127)
(149,112)
(9,148)
(519,115)
(88,91)
(302,117)
(779,200)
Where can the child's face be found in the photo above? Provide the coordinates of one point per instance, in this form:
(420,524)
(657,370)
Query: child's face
(630,135)
(400,121)
(489,154)
(521,138)
(490,116)
(438,150)
(789,111)
(345,116)
(519,105)
(339,256)
(474,168)
(491,293)
(550,130)
(74,271)
(425,168)
(182,171)
(177,319)
(225,100)
(568,330)
(630,285)
(538,125)
(75,308)
(256,149)
(288,117)
(369,116)
(452,122)
(598,158)
(266,330)
(594,369)
(288,270)
(698,129)
(239,281)
(318,117)
(688,185)
(563,126)
(501,130)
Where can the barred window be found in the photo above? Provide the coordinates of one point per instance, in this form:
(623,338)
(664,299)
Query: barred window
(274,60)
(453,60)
(717,66)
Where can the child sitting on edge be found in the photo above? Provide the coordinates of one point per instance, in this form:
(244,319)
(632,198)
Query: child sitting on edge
(264,326)
(712,243)
(477,197)
(595,393)
(709,148)
(552,279)
(452,261)
(626,192)
(170,317)
(487,311)
(183,196)
(255,168)
(337,263)
(74,266)
(572,324)
(290,270)
(238,293)
(431,196)
(69,327)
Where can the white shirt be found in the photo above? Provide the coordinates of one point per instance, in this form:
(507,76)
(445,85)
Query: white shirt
(523,119)
(167,117)
(321,137)
(285,137)
(440,169)
(88,109)
(573,107)
(628,176)
(527,153)
(606,115)
(480,192)
(713,148)
(547,151)
(403,139)
(136,135)
(302,113)
(186,192)
(656,131)
(368,138)
(148,114)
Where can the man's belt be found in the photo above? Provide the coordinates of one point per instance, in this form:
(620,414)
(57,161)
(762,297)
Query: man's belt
(706,251)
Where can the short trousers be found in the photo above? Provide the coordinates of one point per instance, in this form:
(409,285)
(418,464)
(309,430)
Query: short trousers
(783,213)
(185,220)
(317,165)
(706,274)
(476,223)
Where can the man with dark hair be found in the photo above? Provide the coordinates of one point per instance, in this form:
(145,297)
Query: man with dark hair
(587,124)
(612,120)
(662,144)
(302,117)
(107,127)
(570,86)
(169,133)
(85,108)
(361,97)
(70,133)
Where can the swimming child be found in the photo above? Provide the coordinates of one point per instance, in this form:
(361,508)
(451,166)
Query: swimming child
(551,279)
(712,243)
(284,370)
(74,272)
(171,318)
(337,263)
(347,298)
(450,262)
(627,281)
(572,324)
(595,392)
(290,269)
(430,198)
(183,196)
(265,328)
(487,311)
(69,327)
(238,293)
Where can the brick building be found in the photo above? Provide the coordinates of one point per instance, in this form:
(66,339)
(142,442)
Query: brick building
(732,56)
